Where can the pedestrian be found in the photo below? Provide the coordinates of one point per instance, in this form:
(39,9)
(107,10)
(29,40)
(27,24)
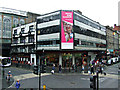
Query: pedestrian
(60,68)
(82,68)
(89,70)
(101,69)
(17,85)
(53,69)
(76,65)
(92,69)
(9,76)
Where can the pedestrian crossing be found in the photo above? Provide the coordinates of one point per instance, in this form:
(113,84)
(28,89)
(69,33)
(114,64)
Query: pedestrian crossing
(100,79)
(107,75)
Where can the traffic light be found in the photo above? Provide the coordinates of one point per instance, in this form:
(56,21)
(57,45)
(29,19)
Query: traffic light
(43,68)
(35,70)
(93,82)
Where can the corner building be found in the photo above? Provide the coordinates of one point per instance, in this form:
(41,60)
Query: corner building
(24,45)
(68,38)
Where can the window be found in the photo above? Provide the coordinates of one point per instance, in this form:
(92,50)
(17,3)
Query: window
(83,43)
(31,28)
(49,30)
(22,21)
(87,22)
(7,27)
(15,41)
(22,40)
(15,22)
(49,43)
(31,49)
(49,18)
(22,30)
(15,32)
(76,42)
(87,32)
(31,39)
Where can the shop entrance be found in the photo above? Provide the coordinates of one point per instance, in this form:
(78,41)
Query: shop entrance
(67,60)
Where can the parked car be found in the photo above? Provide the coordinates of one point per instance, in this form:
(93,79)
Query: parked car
(117,59)
(110,61)
(114,60)
(104,61)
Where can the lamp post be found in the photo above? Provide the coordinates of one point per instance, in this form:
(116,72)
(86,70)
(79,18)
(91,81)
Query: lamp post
(40,65)
(39,75)
(97,80)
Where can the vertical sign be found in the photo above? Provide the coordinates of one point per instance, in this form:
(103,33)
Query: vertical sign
(66,30)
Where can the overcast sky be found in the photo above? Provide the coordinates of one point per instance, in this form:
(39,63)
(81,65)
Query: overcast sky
(103,11)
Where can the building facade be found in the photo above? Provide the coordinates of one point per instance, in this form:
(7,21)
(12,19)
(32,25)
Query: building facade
(10,18)
(112,41)
(68,38)
(117,29)
(23,47)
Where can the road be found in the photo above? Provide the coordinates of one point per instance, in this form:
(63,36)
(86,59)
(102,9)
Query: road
(70,80)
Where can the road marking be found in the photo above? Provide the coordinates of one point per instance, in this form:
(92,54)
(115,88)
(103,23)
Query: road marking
(107,75)
(26,76)
(102,79)
(85,78)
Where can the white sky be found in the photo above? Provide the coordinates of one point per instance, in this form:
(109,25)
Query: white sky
(103,11)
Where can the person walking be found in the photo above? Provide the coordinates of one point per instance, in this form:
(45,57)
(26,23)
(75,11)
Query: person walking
(60,68)
(9,76)
(53,69)
(76,66)
(17,85)
(92,69)
(101,69)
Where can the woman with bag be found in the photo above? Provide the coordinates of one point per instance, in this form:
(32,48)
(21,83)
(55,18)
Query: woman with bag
(53,69)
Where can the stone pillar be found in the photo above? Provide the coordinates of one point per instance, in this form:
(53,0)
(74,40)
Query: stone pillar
(31,56)
(34,59)
(73,59)
(60,59)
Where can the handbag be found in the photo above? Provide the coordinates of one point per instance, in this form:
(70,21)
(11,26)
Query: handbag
(52,71)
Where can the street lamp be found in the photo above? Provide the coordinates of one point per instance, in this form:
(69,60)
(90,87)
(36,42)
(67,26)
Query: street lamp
(40,70)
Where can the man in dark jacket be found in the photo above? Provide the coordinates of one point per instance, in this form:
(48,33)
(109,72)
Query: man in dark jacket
(92,69)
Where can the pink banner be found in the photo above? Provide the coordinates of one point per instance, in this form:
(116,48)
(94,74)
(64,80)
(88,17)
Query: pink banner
(67,29)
